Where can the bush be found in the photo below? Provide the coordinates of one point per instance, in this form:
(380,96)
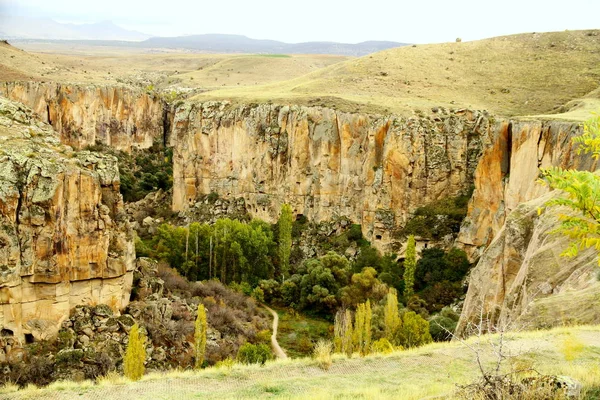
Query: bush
(322,354)
(254,353)
(443,325)
(382,346)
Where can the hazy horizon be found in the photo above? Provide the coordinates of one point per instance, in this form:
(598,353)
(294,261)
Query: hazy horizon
(336,21)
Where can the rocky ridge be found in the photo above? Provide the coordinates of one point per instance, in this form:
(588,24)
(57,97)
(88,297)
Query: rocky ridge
(64,240)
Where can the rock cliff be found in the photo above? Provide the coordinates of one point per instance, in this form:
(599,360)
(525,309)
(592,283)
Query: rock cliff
(121,117)
(507,172)
(64,240)
(521,281)
(374,170)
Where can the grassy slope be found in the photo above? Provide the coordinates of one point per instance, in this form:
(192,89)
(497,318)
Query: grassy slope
(522,74)
(432,370)
(105,65)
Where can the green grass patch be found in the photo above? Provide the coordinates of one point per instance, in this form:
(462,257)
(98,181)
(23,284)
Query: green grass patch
(298,333)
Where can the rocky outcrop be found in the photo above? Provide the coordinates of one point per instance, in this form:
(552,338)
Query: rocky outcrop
(121,117)
(64,240)
(522,281)
(374,170)
(507,172)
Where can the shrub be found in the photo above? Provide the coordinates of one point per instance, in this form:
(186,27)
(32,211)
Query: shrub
(443,325)
(135,355)
(322,354)
(254,353)
(382,346)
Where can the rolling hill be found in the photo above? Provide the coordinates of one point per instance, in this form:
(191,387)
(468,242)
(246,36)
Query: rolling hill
(526,74)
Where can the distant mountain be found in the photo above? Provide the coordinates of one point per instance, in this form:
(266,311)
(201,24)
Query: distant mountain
(13,27)
(241,44)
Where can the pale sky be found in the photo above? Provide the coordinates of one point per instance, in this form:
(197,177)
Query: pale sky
(413,21)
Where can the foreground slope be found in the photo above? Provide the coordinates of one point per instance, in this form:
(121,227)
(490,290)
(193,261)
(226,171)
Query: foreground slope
(522,74)
(432,370)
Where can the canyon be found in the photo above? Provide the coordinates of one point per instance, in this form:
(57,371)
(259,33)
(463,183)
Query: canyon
(375,170)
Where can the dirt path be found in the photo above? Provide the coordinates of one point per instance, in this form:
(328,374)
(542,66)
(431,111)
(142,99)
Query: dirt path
(279,353)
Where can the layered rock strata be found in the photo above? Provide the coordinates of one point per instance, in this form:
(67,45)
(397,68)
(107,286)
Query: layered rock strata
(64,238)
(121,117)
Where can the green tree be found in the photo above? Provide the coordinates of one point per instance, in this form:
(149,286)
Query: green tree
(200,336)
(410,265)
(391,315)
(413,330)
(583,194)
(285,238)
(135,355)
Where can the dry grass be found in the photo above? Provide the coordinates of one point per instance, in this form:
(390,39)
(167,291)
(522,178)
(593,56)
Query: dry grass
(432,370)
(525,74)
(64,62)
(322,354)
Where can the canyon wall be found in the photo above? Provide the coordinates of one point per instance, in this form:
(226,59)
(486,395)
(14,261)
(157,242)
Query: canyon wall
(522,282)
(374,170)
(520,279)
(64,239)
(507,172)
(120,117)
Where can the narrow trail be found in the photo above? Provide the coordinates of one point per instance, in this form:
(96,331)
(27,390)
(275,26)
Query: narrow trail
(279,353)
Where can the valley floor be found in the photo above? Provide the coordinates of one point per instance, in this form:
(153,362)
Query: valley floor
(431,371)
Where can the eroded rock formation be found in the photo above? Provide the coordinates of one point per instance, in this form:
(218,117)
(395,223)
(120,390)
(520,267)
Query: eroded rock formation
(507,173)
(522,282)
(64,239)
(325,163)
(121,117)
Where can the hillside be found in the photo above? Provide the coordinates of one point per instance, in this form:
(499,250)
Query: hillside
(524,74)
(65,62)
(427,372)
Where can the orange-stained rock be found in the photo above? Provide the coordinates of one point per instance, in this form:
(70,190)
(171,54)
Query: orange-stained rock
(64,240)
(120,117)
(374,170)
(507,173)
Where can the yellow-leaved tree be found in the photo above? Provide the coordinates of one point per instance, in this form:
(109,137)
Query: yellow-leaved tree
(583,194)
(200,336)
(135,355)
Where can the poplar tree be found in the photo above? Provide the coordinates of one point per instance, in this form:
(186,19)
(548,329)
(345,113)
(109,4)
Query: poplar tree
(367,335)
(200,336)
(348,335)
(285,238)
(410,265)
(135,355)
(391,315)
(359,328)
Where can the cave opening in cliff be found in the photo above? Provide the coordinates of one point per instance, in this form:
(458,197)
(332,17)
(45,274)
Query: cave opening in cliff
(29,338)
(6,333)
(48,112)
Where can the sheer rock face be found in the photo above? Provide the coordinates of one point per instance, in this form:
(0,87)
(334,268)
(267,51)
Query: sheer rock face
(64,240)
(507,173)
(522,282)
(374,170)
(120,117)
